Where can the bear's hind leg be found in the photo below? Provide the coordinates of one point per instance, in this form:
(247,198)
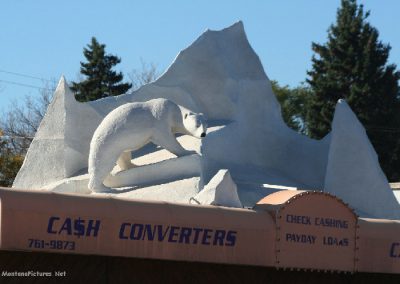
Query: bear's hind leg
(124,161)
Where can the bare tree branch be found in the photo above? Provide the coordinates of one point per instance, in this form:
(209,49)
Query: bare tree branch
(21,120)
(147,74)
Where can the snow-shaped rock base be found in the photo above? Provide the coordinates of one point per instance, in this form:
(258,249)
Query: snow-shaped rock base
(353,172)
(161,172)
(221,191)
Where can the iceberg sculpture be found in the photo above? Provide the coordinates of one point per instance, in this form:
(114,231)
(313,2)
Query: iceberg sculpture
(220,76)
(221,190)
(353,172)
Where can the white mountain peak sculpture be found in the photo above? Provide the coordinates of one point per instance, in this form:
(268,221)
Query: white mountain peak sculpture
(221,76)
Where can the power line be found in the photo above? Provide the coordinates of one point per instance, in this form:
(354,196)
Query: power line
(25,85)
(26,76)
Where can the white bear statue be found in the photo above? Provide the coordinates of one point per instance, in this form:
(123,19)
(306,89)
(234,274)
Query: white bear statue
(130,127)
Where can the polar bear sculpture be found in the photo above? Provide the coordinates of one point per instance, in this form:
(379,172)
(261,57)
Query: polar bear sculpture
(133,125)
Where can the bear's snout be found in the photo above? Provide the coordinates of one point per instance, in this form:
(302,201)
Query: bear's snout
(203,135)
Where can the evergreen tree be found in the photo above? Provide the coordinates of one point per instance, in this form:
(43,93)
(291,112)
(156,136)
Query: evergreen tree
(101,81)
(353,65)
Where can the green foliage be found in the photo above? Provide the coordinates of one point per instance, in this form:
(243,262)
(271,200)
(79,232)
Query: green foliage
(10,163)
(100,80)
(353,65)
(293,104)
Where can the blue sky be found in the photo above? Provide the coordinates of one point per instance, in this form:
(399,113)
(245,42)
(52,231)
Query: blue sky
(45,38)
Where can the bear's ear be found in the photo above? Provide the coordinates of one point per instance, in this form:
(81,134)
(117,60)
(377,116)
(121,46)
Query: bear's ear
(186,115)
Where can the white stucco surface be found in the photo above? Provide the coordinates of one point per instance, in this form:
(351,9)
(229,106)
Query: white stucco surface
(61,144)
(179,191)
(397,195)
(221,190)
(157,173)
(219,75)
(353,172)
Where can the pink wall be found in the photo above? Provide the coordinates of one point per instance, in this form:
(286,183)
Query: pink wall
(308,230)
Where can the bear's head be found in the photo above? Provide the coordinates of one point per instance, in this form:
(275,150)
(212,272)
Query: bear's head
(195,124)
